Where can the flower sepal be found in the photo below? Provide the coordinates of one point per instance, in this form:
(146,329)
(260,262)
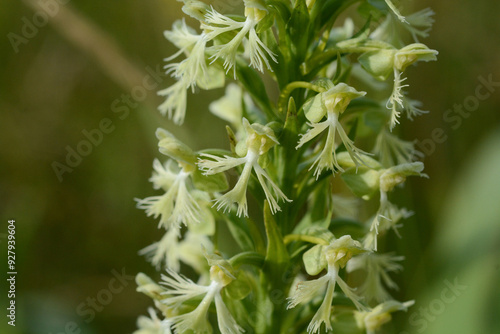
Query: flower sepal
(171,146)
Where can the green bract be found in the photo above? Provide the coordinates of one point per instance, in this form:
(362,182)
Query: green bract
(313,98)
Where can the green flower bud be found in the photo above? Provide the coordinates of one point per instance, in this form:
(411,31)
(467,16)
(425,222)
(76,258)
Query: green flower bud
(196,9)
(174,148)
(149,287)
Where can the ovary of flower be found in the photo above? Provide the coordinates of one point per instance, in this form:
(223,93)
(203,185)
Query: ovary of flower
(175,101)
(238,193)
(327,158)
(177,206)
(180,289)
(217,24)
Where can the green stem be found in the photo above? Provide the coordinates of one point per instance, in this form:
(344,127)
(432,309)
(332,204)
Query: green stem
(301,237)
(285,93)
(251,258)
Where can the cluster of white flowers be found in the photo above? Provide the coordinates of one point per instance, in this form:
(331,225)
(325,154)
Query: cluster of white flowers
(200,67)
(273,149)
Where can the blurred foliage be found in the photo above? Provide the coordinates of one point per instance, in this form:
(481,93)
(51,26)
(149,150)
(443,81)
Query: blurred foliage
(72,234)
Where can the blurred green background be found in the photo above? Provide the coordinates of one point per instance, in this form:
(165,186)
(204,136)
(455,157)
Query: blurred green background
(76,233)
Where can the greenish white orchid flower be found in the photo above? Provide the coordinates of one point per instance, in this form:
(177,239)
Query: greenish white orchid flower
(171,251)
(190,72)
(388,214)
(333,256)
(181,289)
(260,139)
(257,52)
(392,150)
(177,205)
(152,325)
(331,103)
(374,319)
(377,268)
(382,59)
